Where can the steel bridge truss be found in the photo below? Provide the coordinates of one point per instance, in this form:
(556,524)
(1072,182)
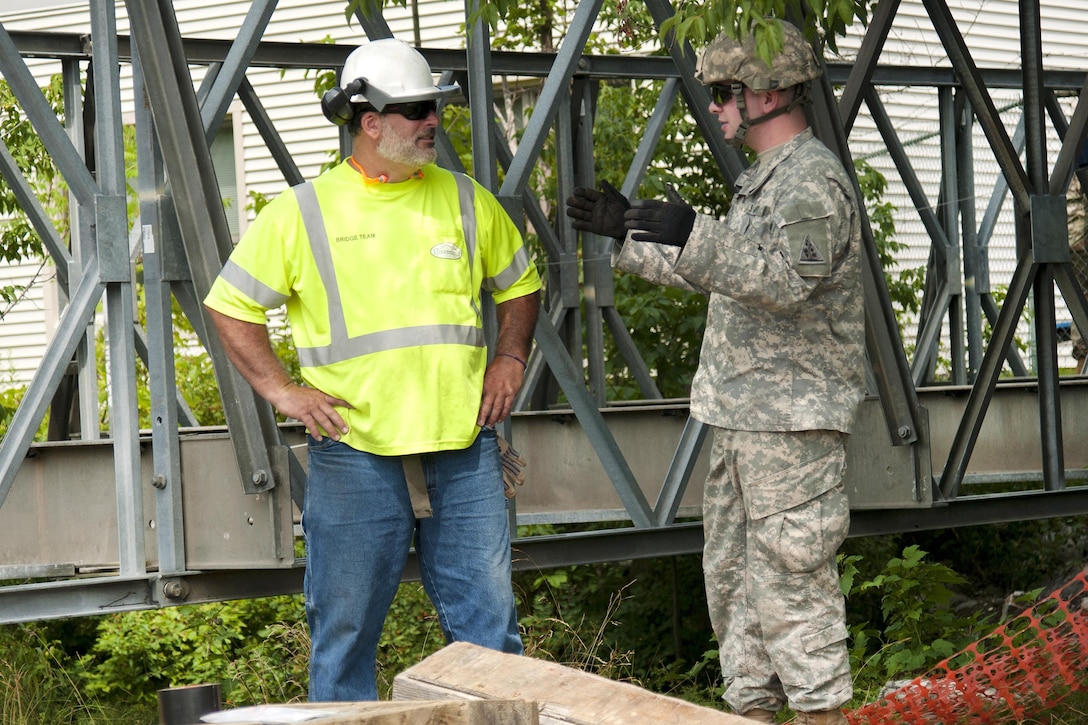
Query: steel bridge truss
(199,515)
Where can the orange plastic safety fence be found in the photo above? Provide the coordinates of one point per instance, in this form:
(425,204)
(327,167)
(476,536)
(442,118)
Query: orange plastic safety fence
(1027,665)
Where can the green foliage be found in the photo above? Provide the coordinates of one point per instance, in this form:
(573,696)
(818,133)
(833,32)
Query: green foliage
(697,23)
(643,621)
(918,626)
(138,653)
(38,687)
(580,643)
(18,239)
(533,25)
(1032,553)
(369,8)
(196,382)
(543,25)
(30,682)
(258,650)
(273,666)
(10,397)
(905,286)
(693,22)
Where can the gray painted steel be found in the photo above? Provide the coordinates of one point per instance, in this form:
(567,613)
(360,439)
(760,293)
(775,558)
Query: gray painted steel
(148,519)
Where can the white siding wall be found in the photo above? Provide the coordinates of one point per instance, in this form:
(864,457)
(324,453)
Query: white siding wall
(28,322)
(990,27)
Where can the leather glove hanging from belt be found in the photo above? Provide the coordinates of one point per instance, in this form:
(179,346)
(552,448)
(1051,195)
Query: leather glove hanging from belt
(513,464)
(600,212)
(661,222)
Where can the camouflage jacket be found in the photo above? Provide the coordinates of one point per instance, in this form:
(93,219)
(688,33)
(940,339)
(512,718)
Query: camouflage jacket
(784,343)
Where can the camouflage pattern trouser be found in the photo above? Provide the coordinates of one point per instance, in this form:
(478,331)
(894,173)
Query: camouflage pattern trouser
(774,516)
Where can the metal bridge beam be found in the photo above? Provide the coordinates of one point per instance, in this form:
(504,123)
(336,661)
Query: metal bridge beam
(902,438)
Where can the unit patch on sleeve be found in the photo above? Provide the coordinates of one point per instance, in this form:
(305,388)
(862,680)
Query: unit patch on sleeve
(809,252)
(805,226)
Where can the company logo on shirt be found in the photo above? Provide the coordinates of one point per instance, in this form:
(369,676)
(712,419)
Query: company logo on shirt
(446,250)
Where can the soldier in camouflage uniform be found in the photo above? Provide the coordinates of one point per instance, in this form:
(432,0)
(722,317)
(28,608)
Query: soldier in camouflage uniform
(781,373)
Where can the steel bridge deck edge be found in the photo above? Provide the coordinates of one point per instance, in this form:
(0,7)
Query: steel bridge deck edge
(106,594)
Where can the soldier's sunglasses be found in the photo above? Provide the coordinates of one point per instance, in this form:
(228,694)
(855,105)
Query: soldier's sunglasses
(413,110)
(721,93)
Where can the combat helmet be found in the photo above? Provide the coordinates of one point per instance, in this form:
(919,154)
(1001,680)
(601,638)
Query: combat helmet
(733,63)
(727,60)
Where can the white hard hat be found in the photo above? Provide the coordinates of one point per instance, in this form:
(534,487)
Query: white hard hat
(393,72)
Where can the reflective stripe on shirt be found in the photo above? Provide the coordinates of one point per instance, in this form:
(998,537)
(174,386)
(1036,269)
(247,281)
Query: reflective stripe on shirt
(342,347)
(249,285)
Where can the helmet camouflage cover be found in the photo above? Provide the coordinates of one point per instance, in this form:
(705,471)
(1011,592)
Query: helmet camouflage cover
(727,60)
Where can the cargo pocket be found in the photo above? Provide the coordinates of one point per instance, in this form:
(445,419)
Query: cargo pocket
(816,641)
(797,527)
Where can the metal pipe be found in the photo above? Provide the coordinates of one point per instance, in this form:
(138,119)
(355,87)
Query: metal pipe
(185,705)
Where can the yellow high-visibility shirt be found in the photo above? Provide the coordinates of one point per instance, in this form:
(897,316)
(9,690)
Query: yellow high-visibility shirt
(383,299)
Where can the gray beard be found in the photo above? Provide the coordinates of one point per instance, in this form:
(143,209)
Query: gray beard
(403,149)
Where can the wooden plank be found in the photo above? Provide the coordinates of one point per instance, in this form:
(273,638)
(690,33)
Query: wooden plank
(566,696)
(445,712)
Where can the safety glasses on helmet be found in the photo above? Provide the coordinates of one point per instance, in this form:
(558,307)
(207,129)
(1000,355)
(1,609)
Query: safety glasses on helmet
(721,93)
(413,110)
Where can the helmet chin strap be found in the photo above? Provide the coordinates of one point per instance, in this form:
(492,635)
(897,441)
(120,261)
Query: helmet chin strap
(800,96)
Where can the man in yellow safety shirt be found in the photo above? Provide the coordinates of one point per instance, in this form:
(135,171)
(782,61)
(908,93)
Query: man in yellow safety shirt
(380,263)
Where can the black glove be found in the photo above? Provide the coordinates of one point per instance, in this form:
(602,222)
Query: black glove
(599,212)
(662,222)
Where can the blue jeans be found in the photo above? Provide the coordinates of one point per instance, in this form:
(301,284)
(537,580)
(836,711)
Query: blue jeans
(359,524)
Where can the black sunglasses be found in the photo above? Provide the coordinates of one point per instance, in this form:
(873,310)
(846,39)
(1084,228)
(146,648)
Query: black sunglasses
(721,93)
(413,110)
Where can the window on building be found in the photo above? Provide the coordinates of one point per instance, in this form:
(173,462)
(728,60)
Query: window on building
(226,150)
